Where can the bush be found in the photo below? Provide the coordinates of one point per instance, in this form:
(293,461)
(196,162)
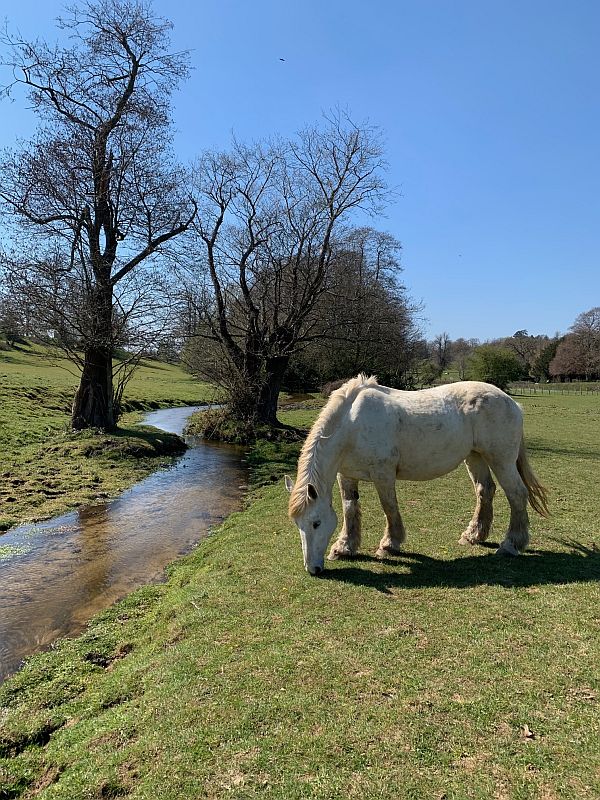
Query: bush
(495,365)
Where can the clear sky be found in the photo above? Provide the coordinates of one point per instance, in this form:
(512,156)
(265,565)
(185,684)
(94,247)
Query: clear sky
(491,115)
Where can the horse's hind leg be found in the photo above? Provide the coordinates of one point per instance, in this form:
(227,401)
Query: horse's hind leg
(348,541)
(483,483)
(517,536)
(391,543)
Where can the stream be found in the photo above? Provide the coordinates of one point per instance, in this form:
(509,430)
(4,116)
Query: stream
(72,566)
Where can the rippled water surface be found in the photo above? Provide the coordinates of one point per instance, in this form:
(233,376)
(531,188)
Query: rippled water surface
(72,566)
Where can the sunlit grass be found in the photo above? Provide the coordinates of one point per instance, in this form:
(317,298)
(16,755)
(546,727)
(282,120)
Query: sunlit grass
(46,469)
(446,673)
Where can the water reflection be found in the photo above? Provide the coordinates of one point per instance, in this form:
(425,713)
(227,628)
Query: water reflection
(77,564)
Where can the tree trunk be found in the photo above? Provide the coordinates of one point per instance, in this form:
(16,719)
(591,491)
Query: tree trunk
(93,403)
(269,393)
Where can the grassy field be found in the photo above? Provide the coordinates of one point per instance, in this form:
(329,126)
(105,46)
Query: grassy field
(441,674)
(45,470)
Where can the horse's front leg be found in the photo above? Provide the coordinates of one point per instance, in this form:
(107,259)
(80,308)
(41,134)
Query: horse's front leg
(391,543)
(348,541)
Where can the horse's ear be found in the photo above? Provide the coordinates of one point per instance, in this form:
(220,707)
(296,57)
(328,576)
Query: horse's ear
(312,492)
(289,483)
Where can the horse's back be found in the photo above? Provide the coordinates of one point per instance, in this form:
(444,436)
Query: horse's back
(461,399)
(427,433)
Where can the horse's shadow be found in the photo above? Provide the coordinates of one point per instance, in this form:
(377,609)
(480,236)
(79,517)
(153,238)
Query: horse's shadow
(534,568)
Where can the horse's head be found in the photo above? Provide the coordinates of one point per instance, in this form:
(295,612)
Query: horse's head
(316,521)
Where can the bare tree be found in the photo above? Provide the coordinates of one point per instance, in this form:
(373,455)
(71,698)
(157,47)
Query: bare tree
(269,219)
(441,351)
(569,360)
(95,194)
(587,330)
(578,354)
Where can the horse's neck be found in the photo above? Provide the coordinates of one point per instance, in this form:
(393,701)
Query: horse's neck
(330,451)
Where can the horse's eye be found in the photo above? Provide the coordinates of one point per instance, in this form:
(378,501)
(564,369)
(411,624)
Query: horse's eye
(316,524)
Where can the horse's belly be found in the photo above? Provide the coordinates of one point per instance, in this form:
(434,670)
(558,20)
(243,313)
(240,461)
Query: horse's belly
(419,456)
(427,457)
(419,470)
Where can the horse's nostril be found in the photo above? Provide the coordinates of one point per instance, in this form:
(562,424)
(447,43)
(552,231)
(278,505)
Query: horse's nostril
(318,570)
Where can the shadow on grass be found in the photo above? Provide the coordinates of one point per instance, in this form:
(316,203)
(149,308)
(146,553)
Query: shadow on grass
(534,568)
(10,357)
(557,450)
(161,441)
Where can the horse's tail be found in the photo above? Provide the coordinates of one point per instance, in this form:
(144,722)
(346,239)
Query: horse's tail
(538,495)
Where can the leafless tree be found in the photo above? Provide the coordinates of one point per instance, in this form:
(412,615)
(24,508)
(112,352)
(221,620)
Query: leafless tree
(587,330)
(441,351)
(578,354)
(270,218)
(95,195)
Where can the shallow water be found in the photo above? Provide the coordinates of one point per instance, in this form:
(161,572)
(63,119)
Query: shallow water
(73,566)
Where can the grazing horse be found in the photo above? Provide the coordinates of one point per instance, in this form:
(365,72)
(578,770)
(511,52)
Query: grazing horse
(368,432)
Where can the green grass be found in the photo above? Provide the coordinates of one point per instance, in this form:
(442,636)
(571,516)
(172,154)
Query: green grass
(446,673)
(45,469)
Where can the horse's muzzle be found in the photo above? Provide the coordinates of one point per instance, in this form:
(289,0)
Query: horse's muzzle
(316,571)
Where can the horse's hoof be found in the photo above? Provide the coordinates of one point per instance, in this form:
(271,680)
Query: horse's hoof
(507,549)
(464,540)
(340,555)
(386,552)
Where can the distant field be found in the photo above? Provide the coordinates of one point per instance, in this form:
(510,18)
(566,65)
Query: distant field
(46,470)
(32,366)
(445,673)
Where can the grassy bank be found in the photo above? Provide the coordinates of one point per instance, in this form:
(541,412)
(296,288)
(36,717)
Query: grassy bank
(45,469)
(218,424)
(442,674)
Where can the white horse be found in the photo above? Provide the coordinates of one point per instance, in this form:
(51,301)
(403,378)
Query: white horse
(368,432)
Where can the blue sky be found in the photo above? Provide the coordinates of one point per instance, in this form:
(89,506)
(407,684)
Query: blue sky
(490,112)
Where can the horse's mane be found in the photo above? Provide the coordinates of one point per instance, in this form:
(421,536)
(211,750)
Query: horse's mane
(308,470)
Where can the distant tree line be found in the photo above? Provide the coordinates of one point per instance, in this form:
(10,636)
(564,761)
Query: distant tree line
(577,355)
(522,356)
